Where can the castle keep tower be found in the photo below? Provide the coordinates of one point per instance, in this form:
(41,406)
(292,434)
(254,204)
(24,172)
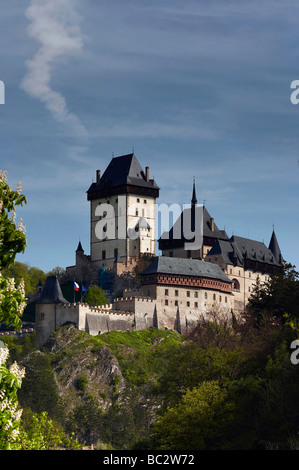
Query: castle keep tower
(122,212)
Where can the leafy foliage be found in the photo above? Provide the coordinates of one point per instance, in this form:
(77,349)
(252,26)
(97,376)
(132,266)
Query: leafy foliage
(12,236)
(12,302)
(95,296)
(30,275)
(141,354)
(278,296)
(10,412)
(38,432)
(197,422)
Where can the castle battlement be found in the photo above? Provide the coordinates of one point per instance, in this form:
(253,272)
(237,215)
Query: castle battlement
(134,297)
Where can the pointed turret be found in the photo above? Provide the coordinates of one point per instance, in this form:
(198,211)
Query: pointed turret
(193,207)
(79,247)
(51,293)
(194,199)
(274,247)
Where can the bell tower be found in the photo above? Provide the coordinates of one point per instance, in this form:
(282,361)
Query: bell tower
(122,212)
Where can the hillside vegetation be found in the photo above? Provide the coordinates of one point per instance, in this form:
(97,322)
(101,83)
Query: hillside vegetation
(218,388)
(222,386)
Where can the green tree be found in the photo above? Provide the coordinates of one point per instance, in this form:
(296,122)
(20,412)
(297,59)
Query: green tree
(12,236)
(85,420)
(10,412)
(39,389)
(95,296)
(58,271)
(278,296)
(12,242)
(197,422)
(12,303)
(30,275)
(38,432)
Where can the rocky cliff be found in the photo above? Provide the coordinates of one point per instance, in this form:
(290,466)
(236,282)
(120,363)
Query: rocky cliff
(101,388)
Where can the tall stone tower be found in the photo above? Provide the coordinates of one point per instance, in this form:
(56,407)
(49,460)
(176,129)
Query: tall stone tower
(122,212)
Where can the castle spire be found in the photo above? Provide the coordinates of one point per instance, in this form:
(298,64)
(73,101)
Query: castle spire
(194,199)
(274,247)
(79,247)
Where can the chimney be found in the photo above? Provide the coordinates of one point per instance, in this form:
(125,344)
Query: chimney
(147,174)
(212,224)
(98,176)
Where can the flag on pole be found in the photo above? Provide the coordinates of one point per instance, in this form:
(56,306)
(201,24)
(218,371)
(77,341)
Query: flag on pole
(83,288)
(76,286)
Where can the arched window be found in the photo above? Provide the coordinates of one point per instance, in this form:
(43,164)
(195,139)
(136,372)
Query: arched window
(206,295)
(236,284)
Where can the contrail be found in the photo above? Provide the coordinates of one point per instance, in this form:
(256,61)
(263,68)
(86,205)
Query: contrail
(53,25)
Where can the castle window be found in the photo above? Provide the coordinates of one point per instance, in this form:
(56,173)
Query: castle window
(248,288)
(249,274)
(145,201)
(136,213)
(138,200)
(42,316)
(196,304)
(166,302)
(104,254)
(220,298)
(166,291)
(188,304)
(188,293)
(196,294)
(176,303)
(214,296)
(115,252)
(225,299)
(206,295)
(176,293)
(231,271)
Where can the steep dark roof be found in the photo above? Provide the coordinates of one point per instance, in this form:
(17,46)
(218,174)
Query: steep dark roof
(79,247)
(185,267)
(274,247)
(121,171)
(51,292)
(237,249)
(194,198)
(178,227)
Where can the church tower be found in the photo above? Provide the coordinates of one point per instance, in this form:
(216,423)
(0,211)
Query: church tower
(122,212)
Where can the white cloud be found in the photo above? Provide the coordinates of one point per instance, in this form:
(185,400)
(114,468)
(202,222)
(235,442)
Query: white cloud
(54,24)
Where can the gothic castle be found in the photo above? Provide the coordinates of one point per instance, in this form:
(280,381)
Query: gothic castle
(175,289)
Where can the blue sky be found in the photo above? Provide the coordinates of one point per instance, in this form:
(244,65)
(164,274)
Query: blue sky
(198,89)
